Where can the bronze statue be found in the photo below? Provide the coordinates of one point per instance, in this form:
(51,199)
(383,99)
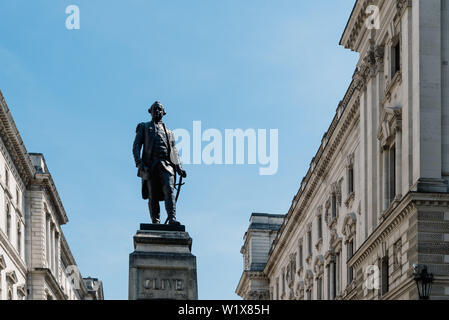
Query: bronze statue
(158,165)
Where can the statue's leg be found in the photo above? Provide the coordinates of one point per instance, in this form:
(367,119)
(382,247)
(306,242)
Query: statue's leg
(155,210)
(168,185)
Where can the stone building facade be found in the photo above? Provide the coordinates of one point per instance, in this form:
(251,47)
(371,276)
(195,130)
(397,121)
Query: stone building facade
(375,200)
(35,260)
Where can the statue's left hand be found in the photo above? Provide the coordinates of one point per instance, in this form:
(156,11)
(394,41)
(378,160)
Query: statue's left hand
(182,173)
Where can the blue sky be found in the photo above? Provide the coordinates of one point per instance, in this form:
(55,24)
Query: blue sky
(77,96)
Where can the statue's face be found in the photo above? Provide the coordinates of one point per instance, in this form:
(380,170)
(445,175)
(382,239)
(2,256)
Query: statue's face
(157,113)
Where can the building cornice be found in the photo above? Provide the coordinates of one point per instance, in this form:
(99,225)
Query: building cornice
(14,144)
(408,205)
(51,281)
(356,28)
(12,253)
(346,116)
(246,277)
(46,180)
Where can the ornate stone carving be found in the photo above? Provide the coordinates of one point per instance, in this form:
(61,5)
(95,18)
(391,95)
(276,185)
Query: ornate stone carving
(401,5)
(326,214)
(379,52)
(308,279)
(258,295)
(318,265)
(336,189)
(291,267)
(390,124)
(349,225)
(299,292)
(397,255)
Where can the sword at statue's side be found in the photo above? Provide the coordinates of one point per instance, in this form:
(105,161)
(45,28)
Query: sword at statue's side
(178,189)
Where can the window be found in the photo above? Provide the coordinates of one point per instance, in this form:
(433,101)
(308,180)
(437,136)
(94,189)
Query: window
(6,177)
(309,294)
(332,280)
(389,155)
(320,226)
(319,288)
(395,58)
(333,205)
(300,254)
(8,221)
(337,273)
(19,238)
(309,242)
(18,198)
(350,180)
(392,173)
(350,249)
(283,280)
(277,288)
(385,275)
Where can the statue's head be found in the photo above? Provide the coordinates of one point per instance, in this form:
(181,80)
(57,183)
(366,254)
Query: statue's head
(157,111)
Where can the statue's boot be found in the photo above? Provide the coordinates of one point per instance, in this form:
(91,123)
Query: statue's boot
(155,214)
(172,220)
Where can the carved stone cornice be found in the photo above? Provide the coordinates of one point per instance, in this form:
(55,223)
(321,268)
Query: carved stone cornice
(261,294)
(356,24)
(12,253)
(14,144)
(408,205)
(337,133)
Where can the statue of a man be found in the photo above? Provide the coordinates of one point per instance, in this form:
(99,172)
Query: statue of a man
(158,164)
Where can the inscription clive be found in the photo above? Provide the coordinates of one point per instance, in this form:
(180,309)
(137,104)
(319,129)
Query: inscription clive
(164,284)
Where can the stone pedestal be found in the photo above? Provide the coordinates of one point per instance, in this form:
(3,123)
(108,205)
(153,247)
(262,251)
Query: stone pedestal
(162,265)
